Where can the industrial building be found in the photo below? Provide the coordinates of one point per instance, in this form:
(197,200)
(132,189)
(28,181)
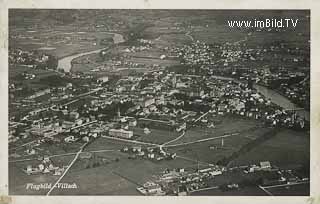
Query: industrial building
(121,133)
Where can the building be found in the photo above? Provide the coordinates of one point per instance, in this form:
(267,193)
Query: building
(42,131)
(121,133)
(151,188)
(67,124)
(74,115)
(265,165)
(181,127)
(192,91)
(40,93)
(148,101)
(132,122)
(104,79)
(70,139)
(156,124)
(85,139)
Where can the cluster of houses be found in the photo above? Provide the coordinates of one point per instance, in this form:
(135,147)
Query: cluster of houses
(18,56)
(151,189)
(180,181)
(264,166)
(153,154)
(238,55)
(46,166)
(144,45)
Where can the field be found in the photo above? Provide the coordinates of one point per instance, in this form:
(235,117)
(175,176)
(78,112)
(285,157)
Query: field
(63,41)
(104,143)
(141,59)
(116,178)
(287,149)
(214,150)
(204,152)
(18,179)
(156,136)
(28,86)
(293,190)
(222,127)
(16,70)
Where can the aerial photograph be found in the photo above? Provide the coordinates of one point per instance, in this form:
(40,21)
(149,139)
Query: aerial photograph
(155,102)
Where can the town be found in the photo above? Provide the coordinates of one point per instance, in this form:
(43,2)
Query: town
(197,118)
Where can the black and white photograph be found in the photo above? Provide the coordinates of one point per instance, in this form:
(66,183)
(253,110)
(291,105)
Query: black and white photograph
(158,102)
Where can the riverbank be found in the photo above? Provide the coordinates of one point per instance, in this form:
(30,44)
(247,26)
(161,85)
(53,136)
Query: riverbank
(274,96)
(65,63)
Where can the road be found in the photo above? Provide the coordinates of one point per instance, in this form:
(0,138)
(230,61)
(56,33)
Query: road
(265,190)
(89,92)
(203,140)
(130,141)
(287,184)
(189,36)
(204,189)
(13,124)
(71,102)
(69,166)
(201,117)
(76,98)
(175,139)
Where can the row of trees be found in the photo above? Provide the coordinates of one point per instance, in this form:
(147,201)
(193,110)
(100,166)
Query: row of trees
(249,146)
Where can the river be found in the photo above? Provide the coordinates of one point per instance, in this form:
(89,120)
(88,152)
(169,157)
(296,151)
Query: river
(65,63)
(275,97)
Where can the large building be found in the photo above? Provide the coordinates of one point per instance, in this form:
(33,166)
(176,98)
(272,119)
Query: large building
(155,124)
(192,91)
(120,133)
(148,101)
(40,93)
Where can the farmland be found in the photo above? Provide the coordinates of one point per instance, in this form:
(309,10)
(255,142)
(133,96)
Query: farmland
(18,180)
(277,152)
(156,136)
(116,178)
(61,42)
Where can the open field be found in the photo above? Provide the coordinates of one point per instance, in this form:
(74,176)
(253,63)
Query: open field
(287,149)
(18,179)
(238,125)
(292,190)
(116,178)
(15,72)
(177,39)
(61,42)
(99,181)
(204,151)
(103,143)
(144,59)
(156,136)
